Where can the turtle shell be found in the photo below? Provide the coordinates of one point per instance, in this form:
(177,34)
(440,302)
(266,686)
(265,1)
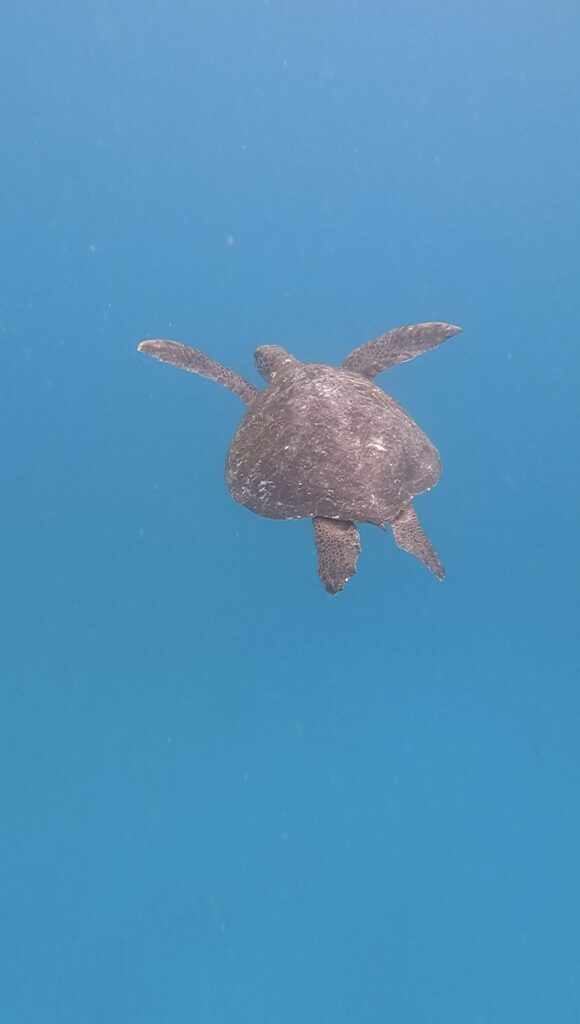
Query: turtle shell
(321,441)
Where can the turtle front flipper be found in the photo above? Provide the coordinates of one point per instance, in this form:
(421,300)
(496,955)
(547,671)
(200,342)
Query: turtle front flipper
(411,537)
(338,546)
(397,346)
(191,359)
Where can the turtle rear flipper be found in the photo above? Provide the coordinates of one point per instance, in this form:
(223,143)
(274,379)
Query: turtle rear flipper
(397,346)
(191,359)
(411,537)
(338,546)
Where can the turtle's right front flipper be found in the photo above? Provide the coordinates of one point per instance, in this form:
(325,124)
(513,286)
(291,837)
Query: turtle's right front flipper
(397,346)
(192,359)
(338,546)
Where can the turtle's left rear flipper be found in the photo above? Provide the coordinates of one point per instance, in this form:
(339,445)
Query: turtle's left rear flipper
(338,546)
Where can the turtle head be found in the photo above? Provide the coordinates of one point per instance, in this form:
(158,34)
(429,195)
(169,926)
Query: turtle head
(270,359)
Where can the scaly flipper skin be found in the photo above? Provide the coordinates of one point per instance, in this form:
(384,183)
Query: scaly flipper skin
(397,346)
(338,546)
(411,537)
(192,359)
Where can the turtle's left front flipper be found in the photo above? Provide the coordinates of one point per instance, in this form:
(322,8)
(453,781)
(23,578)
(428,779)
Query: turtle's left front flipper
(411,537)
(338,546)
(397,346)
(194,361)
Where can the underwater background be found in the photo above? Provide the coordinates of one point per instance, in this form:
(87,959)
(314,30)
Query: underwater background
(224,795)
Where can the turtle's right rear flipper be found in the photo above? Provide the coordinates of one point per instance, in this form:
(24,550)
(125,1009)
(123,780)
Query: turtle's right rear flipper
(411,537)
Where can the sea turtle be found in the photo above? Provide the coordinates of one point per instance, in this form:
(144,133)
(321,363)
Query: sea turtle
(326,443)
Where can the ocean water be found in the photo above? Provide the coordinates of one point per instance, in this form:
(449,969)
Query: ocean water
(226,797)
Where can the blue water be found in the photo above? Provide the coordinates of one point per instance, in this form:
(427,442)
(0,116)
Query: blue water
(224,795)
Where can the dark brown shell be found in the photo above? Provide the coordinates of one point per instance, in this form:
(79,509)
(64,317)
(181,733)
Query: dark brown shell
(321,441)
